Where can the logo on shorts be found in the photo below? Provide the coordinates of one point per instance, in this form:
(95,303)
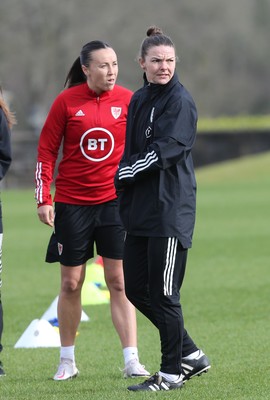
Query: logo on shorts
(97,144)
(60,248)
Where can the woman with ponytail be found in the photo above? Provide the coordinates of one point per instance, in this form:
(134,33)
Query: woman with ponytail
(89,120)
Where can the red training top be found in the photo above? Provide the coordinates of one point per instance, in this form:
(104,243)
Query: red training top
(92,129)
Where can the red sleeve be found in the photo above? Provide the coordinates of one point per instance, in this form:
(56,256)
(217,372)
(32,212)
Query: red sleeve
(48,148)
(44,173)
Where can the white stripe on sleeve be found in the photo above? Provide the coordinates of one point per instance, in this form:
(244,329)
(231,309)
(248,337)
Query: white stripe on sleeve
(140,165)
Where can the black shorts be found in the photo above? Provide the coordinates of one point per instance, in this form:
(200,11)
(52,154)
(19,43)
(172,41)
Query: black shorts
(78,228)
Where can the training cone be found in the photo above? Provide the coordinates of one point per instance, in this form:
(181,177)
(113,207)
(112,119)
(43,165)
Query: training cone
(99,261)
(40,333)
(95,274)
(91,294)
(51,313)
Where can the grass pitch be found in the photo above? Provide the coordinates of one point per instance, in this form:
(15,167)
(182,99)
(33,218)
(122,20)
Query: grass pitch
(225,299)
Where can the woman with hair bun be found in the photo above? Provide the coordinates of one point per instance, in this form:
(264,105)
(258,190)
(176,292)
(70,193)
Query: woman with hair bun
(157,197)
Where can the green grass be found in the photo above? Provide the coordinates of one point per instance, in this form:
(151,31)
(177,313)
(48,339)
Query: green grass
(225,299)
(238,123)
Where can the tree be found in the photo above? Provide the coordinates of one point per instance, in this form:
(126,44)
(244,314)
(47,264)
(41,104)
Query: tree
(223,48)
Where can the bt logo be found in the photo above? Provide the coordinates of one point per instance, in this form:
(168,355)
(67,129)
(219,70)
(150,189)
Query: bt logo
(97,144)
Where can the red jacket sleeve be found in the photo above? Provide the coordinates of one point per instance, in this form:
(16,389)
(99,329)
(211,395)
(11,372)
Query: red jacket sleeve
(48,148)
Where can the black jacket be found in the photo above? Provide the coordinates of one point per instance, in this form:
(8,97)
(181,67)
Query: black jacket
(155,179)
(5,148)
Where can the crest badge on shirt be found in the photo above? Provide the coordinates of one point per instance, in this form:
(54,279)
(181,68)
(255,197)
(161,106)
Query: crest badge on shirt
(116,112)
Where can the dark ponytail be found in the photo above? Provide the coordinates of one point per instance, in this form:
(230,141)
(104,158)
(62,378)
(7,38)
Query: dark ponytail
(75,75)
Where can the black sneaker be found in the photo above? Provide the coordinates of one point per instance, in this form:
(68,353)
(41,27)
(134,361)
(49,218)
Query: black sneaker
(195,367)
(2,372)
(156,383)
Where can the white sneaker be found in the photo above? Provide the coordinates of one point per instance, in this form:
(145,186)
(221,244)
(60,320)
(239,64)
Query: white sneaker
(66,370)
(133,369)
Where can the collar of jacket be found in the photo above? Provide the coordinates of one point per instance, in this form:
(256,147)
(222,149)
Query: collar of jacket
(157,87)
(94,95)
